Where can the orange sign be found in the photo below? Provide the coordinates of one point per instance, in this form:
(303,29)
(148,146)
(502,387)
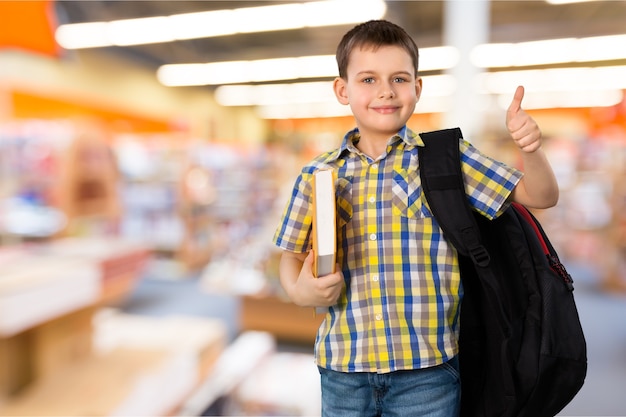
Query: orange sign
(28,25)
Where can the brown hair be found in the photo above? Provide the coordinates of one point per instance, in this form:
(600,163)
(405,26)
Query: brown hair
(374,33)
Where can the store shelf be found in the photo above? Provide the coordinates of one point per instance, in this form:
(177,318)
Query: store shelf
(128,364)
(48,296)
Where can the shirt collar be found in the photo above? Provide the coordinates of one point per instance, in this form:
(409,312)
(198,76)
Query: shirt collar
(409,137)
(405,134)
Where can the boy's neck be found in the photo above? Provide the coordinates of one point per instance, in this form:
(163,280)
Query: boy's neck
(374,147)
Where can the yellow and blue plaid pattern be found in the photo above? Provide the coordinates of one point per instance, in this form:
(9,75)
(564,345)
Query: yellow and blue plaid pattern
(400,309)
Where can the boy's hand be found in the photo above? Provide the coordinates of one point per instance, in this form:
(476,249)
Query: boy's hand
(522,128)
(310,291)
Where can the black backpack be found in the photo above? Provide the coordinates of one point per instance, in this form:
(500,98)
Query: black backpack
(522,348)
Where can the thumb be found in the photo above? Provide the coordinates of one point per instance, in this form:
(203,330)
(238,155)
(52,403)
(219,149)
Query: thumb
(516,103)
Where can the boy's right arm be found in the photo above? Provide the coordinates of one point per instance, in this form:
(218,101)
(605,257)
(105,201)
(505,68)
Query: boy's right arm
(302,288)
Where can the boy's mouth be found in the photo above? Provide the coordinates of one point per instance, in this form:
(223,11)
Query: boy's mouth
(385,109)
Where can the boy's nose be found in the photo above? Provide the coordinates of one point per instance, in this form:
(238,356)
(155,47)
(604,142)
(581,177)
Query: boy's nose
(387,92)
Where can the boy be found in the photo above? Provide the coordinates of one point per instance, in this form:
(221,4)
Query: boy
(388,344)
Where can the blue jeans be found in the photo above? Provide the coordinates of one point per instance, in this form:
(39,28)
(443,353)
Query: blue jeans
(432,392)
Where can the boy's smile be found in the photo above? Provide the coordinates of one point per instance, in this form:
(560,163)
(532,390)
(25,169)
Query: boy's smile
(382,91)
(385,109)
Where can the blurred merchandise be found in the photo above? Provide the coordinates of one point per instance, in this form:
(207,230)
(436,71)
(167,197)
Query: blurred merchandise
(121,262)
(57,178)
(23,218)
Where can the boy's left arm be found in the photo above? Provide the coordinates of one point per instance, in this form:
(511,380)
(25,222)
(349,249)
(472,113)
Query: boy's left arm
(538,188)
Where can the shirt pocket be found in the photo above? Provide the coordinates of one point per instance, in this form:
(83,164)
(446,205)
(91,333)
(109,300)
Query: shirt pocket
(406,199)
(344,200)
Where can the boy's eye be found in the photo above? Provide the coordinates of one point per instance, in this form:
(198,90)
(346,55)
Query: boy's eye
(368,80)
(399,80)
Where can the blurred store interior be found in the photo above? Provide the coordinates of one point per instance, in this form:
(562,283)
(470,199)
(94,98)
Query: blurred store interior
(147,148)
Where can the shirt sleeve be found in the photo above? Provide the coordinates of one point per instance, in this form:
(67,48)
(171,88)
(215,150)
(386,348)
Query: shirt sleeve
(294,229)
(488,183)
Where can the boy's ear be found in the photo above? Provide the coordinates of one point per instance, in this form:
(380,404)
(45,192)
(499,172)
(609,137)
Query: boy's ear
(340,89)
(418,88)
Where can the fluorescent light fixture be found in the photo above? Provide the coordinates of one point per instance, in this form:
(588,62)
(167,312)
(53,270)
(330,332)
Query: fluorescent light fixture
(438,86)
(556,2)
(438,58)
(237,72)
(581,80)
(218,23)
(83,35)
(558,87)
(565,99)
(140,31)
(275,94)
(203,24)
(553,51)
(233,72)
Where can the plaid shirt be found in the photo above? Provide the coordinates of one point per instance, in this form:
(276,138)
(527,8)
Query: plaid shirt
(400,308)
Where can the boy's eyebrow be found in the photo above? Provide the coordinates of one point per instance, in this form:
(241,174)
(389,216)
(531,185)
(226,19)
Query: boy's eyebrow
(368,72)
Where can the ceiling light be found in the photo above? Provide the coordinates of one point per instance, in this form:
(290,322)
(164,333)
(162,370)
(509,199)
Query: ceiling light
(558,87)
(553,51)
(218,23)
(275,94)
(438,58)
(602,48)
(237,72)
(233,72)
(83,35)
(140,31)
(565,99)
(581,80)
(568,1)
(202,24)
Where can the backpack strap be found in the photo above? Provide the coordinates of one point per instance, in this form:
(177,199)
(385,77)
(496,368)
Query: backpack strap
(444,189)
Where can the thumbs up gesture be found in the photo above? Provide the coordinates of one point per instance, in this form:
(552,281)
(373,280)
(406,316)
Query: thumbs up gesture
(522,128)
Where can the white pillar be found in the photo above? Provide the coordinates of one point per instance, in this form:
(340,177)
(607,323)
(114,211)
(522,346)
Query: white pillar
(466,24)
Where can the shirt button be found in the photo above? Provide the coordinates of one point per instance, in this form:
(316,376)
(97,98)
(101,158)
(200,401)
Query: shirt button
(379,317)
(372,199)
(375,278)
(373,236)
(374,166)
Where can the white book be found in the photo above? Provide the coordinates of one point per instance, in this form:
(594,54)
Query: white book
(324,231)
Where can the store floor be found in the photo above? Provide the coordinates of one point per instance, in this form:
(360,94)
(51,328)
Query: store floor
(603,317)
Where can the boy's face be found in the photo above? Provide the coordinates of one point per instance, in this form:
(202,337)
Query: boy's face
(381,88)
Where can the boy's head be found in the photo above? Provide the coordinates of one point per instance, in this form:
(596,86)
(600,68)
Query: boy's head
(374,34)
